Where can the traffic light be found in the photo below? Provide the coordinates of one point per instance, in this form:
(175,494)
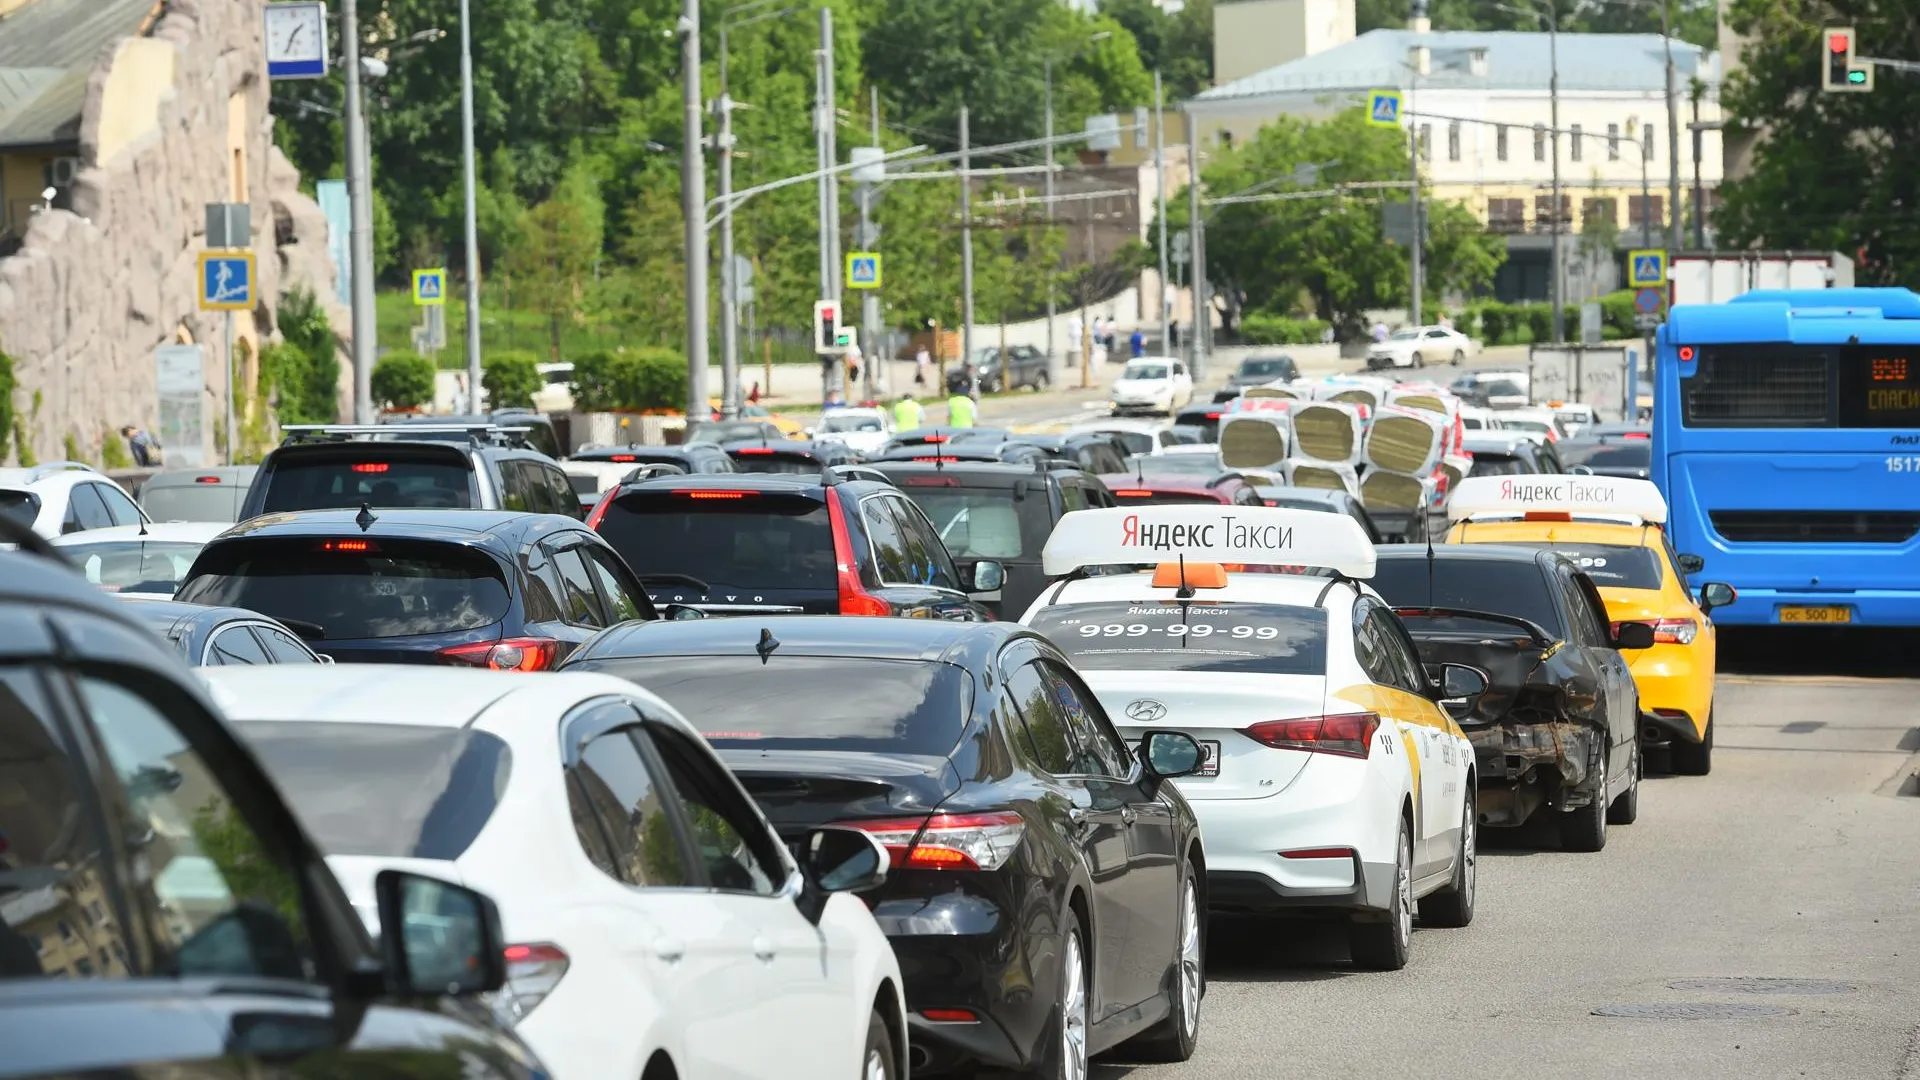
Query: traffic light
(1840,72)
(826,326)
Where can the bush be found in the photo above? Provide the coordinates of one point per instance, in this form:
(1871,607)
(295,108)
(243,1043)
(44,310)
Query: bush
(511,378)
(632,380)
(1262,328)
(304,370)
(6,402)
(592,385)
(113,451)
(403,381)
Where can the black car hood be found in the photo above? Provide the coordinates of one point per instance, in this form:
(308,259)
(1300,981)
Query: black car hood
(804,789)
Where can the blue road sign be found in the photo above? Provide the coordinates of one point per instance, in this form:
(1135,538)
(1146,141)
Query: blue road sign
(863,270)
(226,280)
(1647,268)
(1383,108)
(1647,301)
(429,287)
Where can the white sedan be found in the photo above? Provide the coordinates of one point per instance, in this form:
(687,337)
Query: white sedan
(1155,384)
(139,560)
(864,430)
(656,925)
(1334,783)
(1418,346)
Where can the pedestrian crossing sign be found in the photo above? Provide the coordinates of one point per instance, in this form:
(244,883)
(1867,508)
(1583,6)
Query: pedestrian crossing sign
(226,280)
(429,288)
(1647,268)
(863,270)
(1383,108)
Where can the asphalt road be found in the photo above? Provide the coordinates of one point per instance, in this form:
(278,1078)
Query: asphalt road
(1797,859)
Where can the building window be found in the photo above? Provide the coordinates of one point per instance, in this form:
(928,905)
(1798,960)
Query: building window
(1539,143)
(1613,142)
(1500,142)
(1593,211)
(66,932)
(1573,146)
(1507,215)
(1646,141)
(1426,142)
(1648,211)
(1543,216)
(1453,141)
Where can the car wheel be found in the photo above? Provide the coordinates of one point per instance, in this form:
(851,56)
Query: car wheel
(1174,1038)
(1419,361)
(1040,381)
(880,1061)
(1066,1058)
(1585,829)
(1626,809)
(1453,905)
(1383,946)
(1458,356)
(1695,759)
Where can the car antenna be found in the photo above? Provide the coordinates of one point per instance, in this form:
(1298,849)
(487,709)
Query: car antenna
(766,645)
(1185,591)
(365,518)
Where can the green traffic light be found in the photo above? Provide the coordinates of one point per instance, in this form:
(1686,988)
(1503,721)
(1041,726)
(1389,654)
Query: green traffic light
(1857,77)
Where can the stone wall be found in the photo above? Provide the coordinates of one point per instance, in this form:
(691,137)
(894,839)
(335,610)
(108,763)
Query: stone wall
(94,290)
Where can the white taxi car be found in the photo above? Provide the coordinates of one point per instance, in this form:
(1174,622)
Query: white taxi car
(1155,384)
(1334,782)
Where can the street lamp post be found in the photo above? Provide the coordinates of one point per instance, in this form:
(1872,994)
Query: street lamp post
(360,212)
(471,211)
(1553,93)
(1673,133)
(1160,185)
(693,202)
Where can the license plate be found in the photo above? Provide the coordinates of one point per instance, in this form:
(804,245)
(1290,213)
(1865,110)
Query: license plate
(1209,759)
(1838,613)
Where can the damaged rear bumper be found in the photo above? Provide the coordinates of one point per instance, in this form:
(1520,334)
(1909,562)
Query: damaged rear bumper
(1524,767)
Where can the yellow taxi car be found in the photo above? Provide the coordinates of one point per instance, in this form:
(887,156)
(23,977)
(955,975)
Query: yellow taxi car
(789,427)
(1614,530)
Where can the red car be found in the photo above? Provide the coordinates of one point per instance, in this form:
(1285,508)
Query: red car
(1227,489)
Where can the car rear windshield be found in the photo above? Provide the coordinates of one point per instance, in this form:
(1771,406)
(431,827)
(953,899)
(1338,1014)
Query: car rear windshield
(1192,464)
(1156,635)
(985,523)
(748,539)
(352,588)
(375,476)
(856,422)
(789,464)
(1627,454)
(1497,465)
(20,507)
(796,702)
(150,566)
(392,791)
(1617,566)
(1516,587)
(1265,369)
(218,501)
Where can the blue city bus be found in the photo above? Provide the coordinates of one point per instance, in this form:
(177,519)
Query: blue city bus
(1786,438)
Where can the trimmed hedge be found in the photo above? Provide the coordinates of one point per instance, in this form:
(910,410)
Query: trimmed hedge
(1262,328)
(510,377)
(403,381)
(1495,323)
(630,380)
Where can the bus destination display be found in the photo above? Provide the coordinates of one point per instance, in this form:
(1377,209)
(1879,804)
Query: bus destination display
(1879,387)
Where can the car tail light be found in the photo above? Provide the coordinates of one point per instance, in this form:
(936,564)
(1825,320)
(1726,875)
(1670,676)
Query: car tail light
(600,508)
(947,841)
(1215,415)
(1669,631)
(206,479)
(712,494)
(1548,515)
(1319,853)
(1638,435)
(507,654)
(756,450)
(854,598)
(951,1016)
(937,439)
(1133,493)
(371,467)
(532,973)
(1345,734)
(623,457)
(350,547)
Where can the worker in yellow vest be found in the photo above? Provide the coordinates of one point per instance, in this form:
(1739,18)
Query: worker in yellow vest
(906,413)
(960,411)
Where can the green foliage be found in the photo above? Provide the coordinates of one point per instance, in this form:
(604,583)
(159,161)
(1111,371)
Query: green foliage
(554,258)
(1179,46)
(70,443)
(1262,328)
(510,377)
(250,873)
(6,399)
(403,381)
(631,380)
(1462,256)
(113,451)
(1495,323)
(303,372)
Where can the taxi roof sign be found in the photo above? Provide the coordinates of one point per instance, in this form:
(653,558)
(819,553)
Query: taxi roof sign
(1592,497)
(1262,535)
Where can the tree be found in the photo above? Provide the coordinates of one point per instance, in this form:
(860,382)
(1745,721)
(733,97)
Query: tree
(1178,45)
(554,263)
(1461,256)
(511,377)
(402,381)
(1695,21)
(1831,171)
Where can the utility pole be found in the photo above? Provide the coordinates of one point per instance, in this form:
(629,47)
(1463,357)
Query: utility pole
(1086,320)
(1673,133)
(693,204)
(729,276)
(966,255)
(830,122)
(472,212)
(360,211)
(1201,331)
(1160,182)
(829,366)
(1047,74)
(869,300)
(1418,246)
(1553,92)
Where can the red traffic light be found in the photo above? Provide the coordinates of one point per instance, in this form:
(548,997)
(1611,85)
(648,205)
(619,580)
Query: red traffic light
(1839,43)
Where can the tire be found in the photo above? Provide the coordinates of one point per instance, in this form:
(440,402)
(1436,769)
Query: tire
(880,1061)
(1040,381)
(1458,356)
(1695,759)
(1419,361)
(1453,906)
(1174,1038)
(1585,829)
(1383,946)
(1064,1057)
(1626,809)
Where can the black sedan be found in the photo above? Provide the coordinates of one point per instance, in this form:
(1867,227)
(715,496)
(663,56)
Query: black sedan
(216,636)
(1047,886)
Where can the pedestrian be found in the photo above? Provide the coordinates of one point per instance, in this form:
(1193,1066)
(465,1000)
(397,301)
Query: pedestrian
(853,366)
(906,413)
(1380,331)
(1074,331)
(1445,323)
(141,446)
(1173,336)
(753,396)
(1139,343)
(960,410)
(922,365)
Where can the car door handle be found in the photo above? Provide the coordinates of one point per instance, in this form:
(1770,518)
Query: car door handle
(1126,815)
(1078,817)
(669,949)
(763,948)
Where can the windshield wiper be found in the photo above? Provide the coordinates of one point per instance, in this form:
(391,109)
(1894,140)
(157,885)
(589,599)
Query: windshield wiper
(684,579)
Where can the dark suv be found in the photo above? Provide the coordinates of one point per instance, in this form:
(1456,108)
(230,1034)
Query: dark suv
(1257,371)
(770,544)
(538,433)
(511,592)
(1025,366)
(330,467)
(691,457)
(162,899)
(789,455)
(1000,512)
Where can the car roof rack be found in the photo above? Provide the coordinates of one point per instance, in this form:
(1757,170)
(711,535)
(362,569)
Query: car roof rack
(41,472)
(495,434)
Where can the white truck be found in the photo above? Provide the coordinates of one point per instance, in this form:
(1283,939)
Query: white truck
(1714,277)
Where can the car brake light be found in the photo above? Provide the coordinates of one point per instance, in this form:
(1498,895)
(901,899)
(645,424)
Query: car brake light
(532,973)
(935,458)
(349,546)
(1686,354)
(1638,435)
(1214,415)
(1670,631)
(1133,493)
(206,479)
(951,1016)
(1345,734)
(854,598)
(600,508)
(507,654)
(932,481)
(711,494)
(624,457)
(754,450)
(937,439)
(1319,853)
(947,841)
(1548,515)
(371,467)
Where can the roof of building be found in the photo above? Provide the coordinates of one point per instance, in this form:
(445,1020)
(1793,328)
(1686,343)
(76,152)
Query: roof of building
(47,53)
(1516,60)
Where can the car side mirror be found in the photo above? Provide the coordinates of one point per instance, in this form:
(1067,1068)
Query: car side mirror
(438,939)
(1170,754)
(1633,635)
(988,576)
(323,658)
(1580,470)
(677,612)
(1692,564)
(837,860)
(1459,682)
(1717,594)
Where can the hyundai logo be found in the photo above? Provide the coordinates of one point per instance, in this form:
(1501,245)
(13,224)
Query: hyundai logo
(1146,710)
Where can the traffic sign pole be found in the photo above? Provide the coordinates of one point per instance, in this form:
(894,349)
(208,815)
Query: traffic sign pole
(232,449)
